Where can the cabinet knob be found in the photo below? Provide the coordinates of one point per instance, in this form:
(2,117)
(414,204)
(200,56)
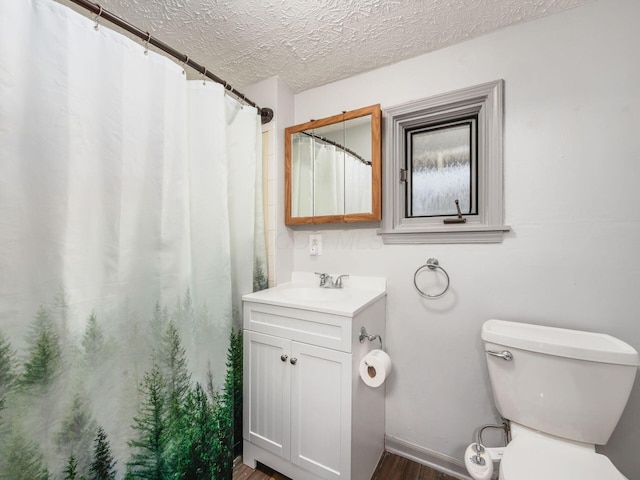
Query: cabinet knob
(283,358)
(293,361)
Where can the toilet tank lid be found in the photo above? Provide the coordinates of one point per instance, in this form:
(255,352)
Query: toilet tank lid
(562,342)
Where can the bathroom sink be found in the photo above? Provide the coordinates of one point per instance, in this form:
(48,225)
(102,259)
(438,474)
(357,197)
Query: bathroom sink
(315,293)
(303,292)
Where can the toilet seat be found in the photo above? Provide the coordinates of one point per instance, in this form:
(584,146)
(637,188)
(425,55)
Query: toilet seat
(536,456)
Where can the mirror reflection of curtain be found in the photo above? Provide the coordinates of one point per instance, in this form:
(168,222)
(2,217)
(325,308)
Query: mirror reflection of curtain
(302,154)
(357,186)
(328,180)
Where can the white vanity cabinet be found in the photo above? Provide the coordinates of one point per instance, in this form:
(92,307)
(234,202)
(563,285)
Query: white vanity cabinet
(307,414)
(296,409)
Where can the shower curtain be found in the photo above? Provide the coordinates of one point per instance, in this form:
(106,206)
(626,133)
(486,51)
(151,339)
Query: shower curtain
(327,180)
(317,171)
(302,157)
(130,227)
(358,181)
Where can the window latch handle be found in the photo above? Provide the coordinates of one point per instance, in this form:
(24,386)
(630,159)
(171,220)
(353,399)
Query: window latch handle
(459,219)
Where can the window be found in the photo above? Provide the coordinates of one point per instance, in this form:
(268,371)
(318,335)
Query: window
(443,168)
(441,165)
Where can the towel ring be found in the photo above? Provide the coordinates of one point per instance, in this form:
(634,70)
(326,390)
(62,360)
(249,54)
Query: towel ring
(432,264)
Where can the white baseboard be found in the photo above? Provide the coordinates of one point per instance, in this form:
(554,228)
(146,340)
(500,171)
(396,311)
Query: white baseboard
(443,463)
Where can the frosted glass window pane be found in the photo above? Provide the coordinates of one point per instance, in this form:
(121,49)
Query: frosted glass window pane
(442,171)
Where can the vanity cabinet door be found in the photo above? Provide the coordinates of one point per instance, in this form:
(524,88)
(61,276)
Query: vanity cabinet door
(321,410)
(267,392)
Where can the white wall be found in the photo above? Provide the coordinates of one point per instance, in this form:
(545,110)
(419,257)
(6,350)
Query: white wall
(572,167)
(274,93)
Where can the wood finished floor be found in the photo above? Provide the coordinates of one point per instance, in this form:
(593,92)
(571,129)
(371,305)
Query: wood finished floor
(391,467)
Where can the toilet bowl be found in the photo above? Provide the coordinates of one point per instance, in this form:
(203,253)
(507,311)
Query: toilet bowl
(563,392)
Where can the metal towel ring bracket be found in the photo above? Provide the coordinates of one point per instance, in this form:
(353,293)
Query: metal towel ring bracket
(432,264)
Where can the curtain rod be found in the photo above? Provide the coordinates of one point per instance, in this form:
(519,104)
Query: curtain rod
(336,144)
(266,114)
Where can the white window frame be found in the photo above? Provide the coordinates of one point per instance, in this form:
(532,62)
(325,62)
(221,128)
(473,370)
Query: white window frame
(485,101)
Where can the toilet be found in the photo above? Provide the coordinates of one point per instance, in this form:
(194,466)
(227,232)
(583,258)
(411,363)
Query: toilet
(563,392)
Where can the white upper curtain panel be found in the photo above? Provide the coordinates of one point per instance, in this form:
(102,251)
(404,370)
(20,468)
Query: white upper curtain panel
(130,227)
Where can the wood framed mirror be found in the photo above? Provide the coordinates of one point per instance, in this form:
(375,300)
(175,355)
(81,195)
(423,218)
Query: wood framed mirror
(333,169)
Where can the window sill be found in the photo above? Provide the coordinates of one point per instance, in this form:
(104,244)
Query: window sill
(445,234)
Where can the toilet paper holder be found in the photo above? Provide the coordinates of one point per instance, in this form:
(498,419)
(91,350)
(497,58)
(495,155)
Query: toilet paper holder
(365,336)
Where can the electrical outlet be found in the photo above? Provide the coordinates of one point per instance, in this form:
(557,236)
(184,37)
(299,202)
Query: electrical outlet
(315,244)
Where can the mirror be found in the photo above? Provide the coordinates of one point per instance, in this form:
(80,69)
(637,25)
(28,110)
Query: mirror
(332,169)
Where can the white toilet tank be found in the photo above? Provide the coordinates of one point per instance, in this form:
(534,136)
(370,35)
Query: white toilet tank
(567,383)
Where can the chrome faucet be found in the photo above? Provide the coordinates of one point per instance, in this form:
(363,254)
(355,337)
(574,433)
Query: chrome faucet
(338,283)
(326,280)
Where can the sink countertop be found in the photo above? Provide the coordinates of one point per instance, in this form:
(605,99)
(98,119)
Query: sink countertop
(303,292)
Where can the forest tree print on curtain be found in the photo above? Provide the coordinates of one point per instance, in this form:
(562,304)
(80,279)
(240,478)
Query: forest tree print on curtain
(177,428)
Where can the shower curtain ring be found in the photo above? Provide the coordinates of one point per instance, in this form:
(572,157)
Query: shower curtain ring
(204,76)
(184,64)
(97,19)
(146,44)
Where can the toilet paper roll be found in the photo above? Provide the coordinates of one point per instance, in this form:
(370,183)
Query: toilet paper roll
(475,469)
(375,367)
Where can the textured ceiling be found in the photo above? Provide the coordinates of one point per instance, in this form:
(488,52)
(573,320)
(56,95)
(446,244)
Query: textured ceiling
(309,43)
